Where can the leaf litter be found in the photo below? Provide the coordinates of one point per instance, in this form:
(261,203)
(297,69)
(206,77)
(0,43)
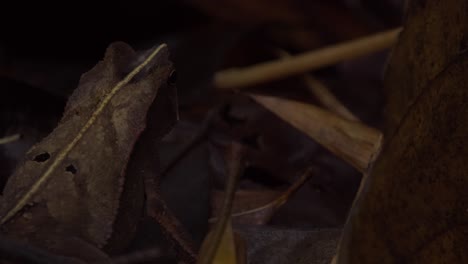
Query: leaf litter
(310,220)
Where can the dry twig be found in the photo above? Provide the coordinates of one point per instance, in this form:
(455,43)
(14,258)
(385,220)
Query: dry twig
(235,169)
(322,93)
(274,70)
(9,139)
(280,200)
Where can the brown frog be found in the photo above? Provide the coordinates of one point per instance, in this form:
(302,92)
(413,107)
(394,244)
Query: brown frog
(81,189)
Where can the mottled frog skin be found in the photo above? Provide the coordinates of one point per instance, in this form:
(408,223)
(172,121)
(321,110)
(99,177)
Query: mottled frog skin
(68,193)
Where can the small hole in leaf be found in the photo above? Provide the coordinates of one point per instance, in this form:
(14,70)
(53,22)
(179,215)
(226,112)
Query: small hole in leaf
(71,168)
(42,157)
(172,78)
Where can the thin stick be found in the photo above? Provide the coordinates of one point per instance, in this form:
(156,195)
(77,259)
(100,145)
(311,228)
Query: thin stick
(327,99)
(235,169)
(322,93)
(280,200)
(274,70)
(9,139)
(284,197)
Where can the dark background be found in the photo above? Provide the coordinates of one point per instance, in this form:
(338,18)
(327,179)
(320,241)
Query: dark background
(46,46)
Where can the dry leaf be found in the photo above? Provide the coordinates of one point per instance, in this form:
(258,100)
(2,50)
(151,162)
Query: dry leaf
(226,252)
(434,33)
(352,141)
(231,249)
(246,205)
(257,207)
(219,245)
(412,207)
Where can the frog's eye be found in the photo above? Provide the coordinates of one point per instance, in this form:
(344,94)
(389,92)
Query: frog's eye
(172,78)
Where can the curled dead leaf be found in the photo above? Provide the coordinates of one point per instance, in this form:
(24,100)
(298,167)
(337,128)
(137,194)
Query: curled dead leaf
(219,244)
(257,207)
(412,207)
(352,141)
